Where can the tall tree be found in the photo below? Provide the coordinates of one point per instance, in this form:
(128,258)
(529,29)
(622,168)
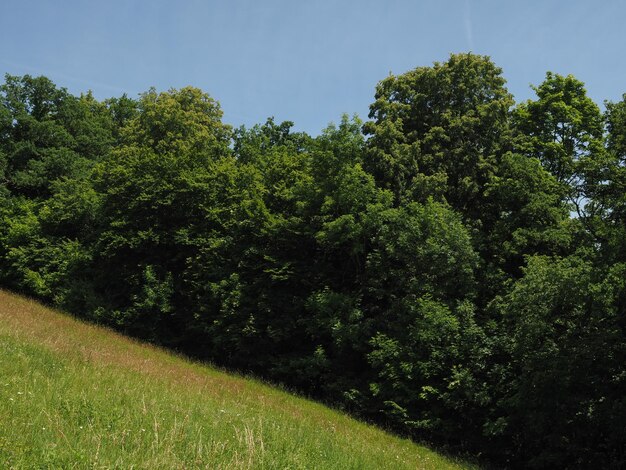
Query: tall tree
(48,134)
(159,189)
(444,132)
(610,191)
(563,128)
(561,391)
(439,131)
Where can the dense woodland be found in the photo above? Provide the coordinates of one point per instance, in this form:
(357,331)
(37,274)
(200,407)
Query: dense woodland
(453,269)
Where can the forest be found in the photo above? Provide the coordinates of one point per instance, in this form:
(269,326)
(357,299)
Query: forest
(453,268)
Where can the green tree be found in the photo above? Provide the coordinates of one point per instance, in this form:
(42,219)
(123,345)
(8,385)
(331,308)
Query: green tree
(49,142)
(563,128)
(48,134)
(444,132)
(439,131)
(159,189)
(562,401)
(609,192)
(418,296)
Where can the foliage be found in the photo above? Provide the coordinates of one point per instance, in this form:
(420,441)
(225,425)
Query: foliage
(438,131)
(453,268)
(563,391)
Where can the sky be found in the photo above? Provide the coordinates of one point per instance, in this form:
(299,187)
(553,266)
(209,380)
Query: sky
(305,61)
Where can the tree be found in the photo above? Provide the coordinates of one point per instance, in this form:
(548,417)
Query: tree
(49,142)
(439,131)
(48,134)
(444,132)
(609,192)
(160,194)
(563,129)
(562,401)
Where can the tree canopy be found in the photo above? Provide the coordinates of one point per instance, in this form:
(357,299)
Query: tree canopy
(453,268)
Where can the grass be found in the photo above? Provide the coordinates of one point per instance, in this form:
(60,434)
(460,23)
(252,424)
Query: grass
(73,395)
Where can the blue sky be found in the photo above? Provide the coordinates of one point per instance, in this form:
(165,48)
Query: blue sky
(305,61)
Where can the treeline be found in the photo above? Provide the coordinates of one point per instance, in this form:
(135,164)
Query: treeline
(454,268)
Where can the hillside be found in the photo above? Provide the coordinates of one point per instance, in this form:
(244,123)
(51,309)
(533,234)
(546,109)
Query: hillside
(74,395)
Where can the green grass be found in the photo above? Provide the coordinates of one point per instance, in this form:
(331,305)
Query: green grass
(74,395)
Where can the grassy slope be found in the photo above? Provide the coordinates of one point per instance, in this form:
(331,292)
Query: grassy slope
(73,395)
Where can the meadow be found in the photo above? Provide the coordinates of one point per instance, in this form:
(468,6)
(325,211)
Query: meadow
(75,395)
